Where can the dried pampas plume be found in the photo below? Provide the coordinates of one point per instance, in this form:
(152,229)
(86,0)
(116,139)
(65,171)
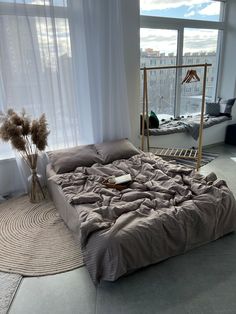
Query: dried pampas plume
(26,136)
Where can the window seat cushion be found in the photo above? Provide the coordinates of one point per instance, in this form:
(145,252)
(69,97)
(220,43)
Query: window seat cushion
(189,125)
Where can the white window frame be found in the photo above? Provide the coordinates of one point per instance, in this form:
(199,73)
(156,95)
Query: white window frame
(155,22)
(35,10)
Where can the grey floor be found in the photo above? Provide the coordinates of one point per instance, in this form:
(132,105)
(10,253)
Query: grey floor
(200,281)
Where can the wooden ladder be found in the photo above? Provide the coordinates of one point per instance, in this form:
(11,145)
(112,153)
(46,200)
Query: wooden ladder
(176,152)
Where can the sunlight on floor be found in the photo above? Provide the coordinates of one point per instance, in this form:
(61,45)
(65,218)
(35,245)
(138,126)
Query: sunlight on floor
(233,158)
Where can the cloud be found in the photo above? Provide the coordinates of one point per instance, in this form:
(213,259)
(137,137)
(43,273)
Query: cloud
(211,9)
(191,13)
(200,40)
(160,40)
(166,40)
(148,5)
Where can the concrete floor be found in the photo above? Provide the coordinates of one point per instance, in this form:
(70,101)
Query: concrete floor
(198,282)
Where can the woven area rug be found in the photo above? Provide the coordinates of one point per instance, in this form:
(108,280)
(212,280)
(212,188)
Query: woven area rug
(34,240)
(8,286)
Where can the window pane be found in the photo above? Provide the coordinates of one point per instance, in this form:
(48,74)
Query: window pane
(60,3)
(199,47)
(36,68)
(159,48)
(37,50)
(186,9)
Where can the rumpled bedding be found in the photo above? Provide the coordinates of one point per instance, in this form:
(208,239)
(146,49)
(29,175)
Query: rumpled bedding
(167,210)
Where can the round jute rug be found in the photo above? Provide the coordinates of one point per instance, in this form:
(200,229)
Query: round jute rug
(34,240)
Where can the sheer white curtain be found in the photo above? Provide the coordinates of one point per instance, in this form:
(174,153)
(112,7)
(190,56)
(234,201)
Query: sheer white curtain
(36,67)
(65,58)
(100,70)
(36,71)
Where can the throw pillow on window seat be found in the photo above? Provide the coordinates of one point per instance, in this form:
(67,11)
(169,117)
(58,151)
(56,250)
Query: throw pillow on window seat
(213,108)
(153,121)
(226,107)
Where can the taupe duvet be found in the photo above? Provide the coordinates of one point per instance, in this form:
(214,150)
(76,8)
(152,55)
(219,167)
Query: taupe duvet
(167,210)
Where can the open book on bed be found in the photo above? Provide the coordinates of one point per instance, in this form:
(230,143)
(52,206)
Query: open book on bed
(119,180)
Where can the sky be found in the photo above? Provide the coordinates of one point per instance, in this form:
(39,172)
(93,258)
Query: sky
(194,9)
(166,40)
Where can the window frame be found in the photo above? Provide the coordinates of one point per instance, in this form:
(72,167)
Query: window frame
(34,10)
(178,24)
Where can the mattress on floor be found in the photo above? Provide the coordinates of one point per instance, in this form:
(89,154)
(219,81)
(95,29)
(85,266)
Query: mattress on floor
(167,210)
(66,211)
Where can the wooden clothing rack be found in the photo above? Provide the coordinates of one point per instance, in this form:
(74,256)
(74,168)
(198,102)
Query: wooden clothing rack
(197,155)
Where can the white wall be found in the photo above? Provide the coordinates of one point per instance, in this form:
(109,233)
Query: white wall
(227,81)
(9,177)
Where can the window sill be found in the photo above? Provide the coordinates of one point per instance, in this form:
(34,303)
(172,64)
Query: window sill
(7,159)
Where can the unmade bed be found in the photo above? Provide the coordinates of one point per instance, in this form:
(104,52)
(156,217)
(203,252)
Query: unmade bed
(166,210)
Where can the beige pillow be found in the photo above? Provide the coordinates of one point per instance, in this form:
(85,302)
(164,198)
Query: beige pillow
(114,150)
(67,160)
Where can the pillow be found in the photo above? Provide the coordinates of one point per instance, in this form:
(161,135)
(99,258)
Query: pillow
(113,150)
(153,121)
(213,108)
(66,160)
(226,107)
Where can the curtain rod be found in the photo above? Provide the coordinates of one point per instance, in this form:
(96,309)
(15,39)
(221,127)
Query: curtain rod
(178,66)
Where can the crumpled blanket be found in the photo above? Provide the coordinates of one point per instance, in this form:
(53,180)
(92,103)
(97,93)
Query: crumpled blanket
(193,129)
(166,210)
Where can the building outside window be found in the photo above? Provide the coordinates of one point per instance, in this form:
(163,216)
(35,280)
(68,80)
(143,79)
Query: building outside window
(177,32)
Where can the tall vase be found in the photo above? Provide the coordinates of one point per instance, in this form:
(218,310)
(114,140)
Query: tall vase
(36,192)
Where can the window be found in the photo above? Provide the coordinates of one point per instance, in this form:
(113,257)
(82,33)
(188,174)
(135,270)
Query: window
(155,45)
(60,3)
(176,38)
(201,44)
(35,64)
(64,52)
